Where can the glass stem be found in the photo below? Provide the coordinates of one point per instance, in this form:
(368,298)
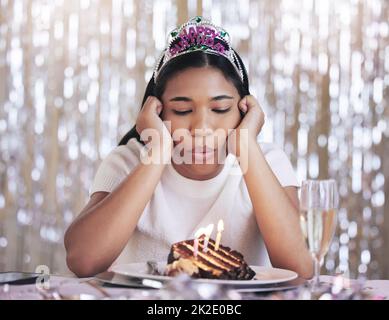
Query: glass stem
(316,281)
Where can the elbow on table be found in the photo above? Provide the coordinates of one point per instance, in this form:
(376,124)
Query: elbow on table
(78,263)
(306,270)
(303,265)
(81,266)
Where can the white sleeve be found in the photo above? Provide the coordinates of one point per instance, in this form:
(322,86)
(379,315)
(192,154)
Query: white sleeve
(113,169)
(282,167)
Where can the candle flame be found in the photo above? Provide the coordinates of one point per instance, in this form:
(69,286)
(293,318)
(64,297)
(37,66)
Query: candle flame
(200,232)
(220,225)
(209,230)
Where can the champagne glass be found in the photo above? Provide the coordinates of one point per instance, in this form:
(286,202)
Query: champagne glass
(318,204)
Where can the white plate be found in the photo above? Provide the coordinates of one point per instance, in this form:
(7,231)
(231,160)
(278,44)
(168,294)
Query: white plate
(264,275)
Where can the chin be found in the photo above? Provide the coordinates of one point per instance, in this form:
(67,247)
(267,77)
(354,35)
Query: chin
(204,171)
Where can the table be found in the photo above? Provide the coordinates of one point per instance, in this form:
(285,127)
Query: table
(62,287)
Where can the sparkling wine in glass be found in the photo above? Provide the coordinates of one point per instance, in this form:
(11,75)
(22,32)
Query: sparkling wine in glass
(318,205)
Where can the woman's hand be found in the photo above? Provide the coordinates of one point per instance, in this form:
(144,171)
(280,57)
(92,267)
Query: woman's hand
(254,117)
(153,131)
(249,127)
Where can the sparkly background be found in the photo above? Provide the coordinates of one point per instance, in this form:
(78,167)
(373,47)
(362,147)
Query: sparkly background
(73,73)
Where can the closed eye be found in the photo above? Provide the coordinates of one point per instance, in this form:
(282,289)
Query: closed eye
(181,113)
(221,110)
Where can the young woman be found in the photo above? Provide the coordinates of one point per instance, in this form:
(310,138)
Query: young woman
(202,162)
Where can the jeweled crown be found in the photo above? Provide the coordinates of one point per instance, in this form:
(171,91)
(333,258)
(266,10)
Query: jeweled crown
(198,34)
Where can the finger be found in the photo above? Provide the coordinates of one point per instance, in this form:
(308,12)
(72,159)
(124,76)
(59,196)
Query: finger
(251,102)
(243,104)
(146,103)
(158,106)
(153,104)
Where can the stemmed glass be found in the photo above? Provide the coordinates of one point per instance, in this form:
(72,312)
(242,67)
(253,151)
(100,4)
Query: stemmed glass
(319,201)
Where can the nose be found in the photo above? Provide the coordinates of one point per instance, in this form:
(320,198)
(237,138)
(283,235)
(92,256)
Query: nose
(201,126)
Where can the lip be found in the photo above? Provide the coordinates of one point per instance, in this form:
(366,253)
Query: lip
(203,154)
(202,150)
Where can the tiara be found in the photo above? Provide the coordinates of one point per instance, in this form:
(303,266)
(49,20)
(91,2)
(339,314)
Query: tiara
(198,34)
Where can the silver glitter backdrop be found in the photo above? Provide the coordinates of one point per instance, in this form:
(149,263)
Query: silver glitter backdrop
(73,73)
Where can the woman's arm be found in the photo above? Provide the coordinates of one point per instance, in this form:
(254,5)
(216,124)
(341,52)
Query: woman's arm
(97,237)
(277,215)
(276,208)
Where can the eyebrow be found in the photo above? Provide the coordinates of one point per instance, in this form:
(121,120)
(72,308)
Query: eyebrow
(221,97)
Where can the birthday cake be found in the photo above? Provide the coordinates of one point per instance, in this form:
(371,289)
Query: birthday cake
(212,263)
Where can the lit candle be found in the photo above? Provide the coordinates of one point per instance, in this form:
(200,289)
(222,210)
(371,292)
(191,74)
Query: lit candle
(220,228)
(208,232)
(196,241)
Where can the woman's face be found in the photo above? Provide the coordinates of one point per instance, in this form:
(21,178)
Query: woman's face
(201,106)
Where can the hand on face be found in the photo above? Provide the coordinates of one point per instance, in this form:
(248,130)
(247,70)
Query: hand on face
(150,126)
(250,125)
(254,117)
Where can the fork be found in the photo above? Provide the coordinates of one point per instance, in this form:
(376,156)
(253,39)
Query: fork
(152,267)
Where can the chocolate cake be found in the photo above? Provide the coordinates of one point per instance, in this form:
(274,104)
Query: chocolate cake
(221,264)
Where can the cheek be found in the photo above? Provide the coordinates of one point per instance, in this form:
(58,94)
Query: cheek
(229,122)
(179,127)
(177,123)
(232,120)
